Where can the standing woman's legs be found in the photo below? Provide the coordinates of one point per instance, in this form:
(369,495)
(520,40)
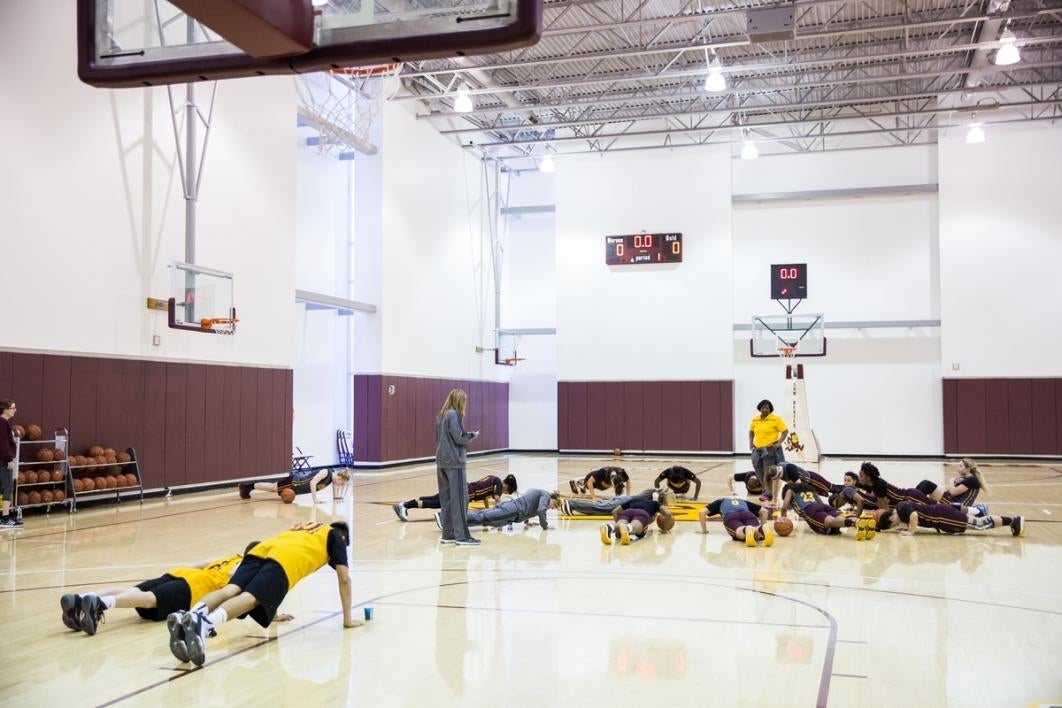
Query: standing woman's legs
(445,503)
(456,516)
(758,465)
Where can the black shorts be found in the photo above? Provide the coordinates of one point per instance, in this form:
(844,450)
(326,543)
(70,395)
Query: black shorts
(266,581)
(171,594)
(301,484)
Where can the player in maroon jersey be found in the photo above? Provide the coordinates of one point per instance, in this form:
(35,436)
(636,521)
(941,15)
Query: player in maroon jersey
(487,489)
(823,518)
(794,473)
(743,520)
(679,479)
(752,482)
(944,518)
(614,478)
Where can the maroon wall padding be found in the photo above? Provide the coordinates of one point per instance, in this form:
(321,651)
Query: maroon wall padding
(1003,416)
(694,416)
(189,423)
(389,428)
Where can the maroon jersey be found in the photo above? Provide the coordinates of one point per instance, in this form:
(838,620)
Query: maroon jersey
(601,478)
(915,496)
(485,488)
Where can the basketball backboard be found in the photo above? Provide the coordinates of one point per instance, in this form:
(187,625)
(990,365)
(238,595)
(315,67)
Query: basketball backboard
(804,333)
(124,43)
(199,297)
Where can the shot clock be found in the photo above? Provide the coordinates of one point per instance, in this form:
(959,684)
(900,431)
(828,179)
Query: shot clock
(636,249)
(789,281)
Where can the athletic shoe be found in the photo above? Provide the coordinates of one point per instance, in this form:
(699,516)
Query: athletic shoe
(447,541)
(245,490)
(565,507)
(1017,526)
(71,605)
(861,529)
(607,532)
(400,512)
(750,538)
(92,608)
(766,496)
(872,527)
(768,536)
(581,485)
(176,628)
(10,523)
(196,629)
(624,534)
(981,509)
(438,520)
(574,486)
(468,542)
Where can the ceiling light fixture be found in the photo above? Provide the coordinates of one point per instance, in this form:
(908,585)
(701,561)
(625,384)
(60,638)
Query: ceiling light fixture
(547,164)
(749,151)
(976,134)
(715,81)
(463,102)
(1007,53)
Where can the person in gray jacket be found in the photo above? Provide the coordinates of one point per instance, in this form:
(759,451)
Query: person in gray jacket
(573,507)
(534,502)
(451,462)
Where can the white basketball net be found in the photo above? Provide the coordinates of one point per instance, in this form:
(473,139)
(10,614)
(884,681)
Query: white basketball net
(341,106)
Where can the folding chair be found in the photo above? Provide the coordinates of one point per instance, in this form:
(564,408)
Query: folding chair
(344,442)
(300,461)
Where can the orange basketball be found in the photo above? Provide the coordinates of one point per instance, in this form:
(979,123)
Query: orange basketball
(57,475)
(33,432)
(111,459)
(21,477)
(123,457)
(95,451)
(109,452)
(23,498)
(287,495)
(87,484)
(119,480)
(47,496)
(783,526)
(111,481)
(44,455)
(31,477)
(130,480)
(58,454)
(101,460)
(59,495)
(34,497)
(101,482)
(18,430)
(79,486)
(665,522)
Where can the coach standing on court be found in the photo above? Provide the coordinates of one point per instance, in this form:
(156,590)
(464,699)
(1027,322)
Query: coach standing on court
(767,432)
(7,464)
(450,462)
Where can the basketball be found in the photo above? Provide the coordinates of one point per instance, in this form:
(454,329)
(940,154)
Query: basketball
(783,526)
(100,482)
(58,454)
(130,480)
(109,452)
(34,497)
(31,477)
(18,430)
(57,475)
(95,451)
(23,498)
(21,477)
(665,522)
(47,496)
(33,432)
(616,452)
(79,486)
(123,457)
(59,495)
(287,495)
(120,480)
(87,484)
(111,459)
(111,481)
(44,455)
(101,460)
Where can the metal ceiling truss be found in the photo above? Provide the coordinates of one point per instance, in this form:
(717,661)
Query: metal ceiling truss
(612,75)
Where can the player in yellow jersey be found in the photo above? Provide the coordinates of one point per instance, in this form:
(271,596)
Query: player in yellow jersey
(268,571)
(155,599)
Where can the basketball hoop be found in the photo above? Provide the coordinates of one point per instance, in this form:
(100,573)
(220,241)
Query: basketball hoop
(787,352)
(512,360)
(220,325)
(342,103)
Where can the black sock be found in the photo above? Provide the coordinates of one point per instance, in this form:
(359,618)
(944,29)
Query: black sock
(411,504)
(1007,520)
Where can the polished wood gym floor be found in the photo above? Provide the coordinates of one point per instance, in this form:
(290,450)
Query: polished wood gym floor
(536,617)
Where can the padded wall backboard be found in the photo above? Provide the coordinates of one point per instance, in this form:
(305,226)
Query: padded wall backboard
(124,43)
